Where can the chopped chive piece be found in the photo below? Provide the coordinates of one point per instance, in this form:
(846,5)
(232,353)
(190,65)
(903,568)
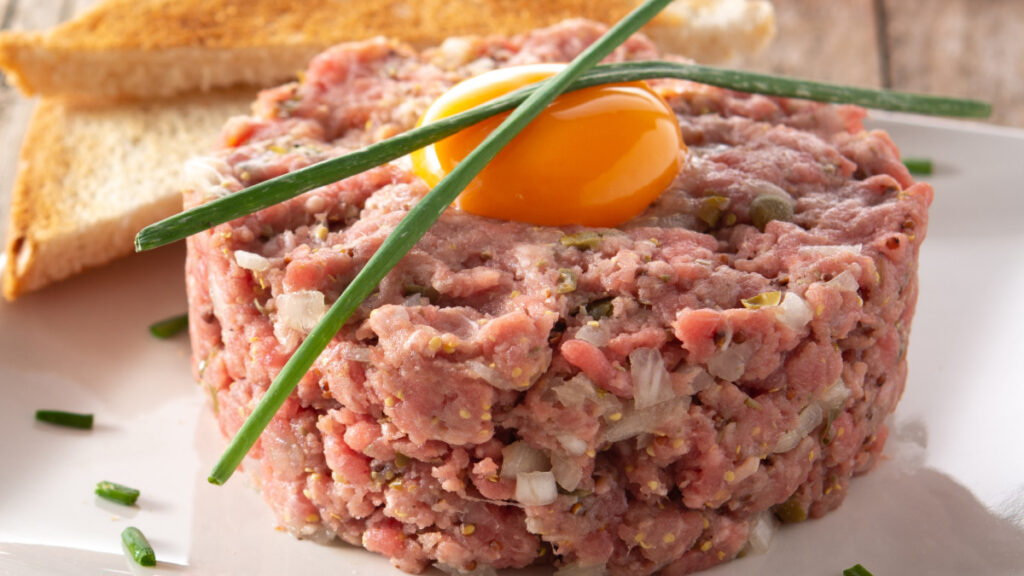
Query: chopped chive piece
(169,326)
(117,492)
(67,419)
(415,224)
(857,570)
(303,180)
(918,166)
(138,547)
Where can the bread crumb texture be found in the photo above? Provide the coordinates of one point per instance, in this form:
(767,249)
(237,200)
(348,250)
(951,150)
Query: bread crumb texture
(90,177)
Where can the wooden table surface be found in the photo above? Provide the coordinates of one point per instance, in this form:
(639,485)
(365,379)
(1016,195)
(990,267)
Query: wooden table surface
(966,48)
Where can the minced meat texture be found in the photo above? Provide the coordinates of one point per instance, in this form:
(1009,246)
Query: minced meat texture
(683,375)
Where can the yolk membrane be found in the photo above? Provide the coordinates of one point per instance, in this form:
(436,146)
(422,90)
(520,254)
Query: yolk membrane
(594,157)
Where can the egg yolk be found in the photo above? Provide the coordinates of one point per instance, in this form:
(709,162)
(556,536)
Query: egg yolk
(595,157)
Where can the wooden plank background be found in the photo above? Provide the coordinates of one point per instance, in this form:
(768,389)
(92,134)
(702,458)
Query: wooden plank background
(956,47)
(968,48)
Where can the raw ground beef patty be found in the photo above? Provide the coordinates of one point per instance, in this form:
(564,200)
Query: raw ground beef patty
(679,379)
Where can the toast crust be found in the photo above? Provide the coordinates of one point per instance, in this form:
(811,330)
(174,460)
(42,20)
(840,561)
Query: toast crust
(128,24)
(115,50)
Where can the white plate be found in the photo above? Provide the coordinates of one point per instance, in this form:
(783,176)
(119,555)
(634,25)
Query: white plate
(949,500)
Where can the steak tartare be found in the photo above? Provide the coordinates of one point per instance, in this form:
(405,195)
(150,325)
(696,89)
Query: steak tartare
(628,400)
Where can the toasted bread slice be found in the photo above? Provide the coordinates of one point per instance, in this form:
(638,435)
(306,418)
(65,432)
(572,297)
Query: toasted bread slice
(90,177)
(146,48)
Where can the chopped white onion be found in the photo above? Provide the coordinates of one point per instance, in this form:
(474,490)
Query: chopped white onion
(460,325)
(519,457)
(572,444)
(762,530)
(652,383)
(357,354)
(455,51)
(845,282)
(631,424)
(205,175)
(574,391)
(636,422)
(835,395)
(300,310)
(758,187)
(729,363)
(794,311)
(809,419)
(251,261)
(787,442)
(696,378)
(413,300)
(567,473)
(491,375)
(831,250)
(218,297)
(746,469)
(591,334)
(536,488)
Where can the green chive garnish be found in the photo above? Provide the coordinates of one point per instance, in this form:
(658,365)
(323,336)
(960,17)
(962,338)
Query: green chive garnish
(117,493)
(138,547)
(857,570)
(918,166)
(169,326)
(415,224)
(66,419)
(289,185)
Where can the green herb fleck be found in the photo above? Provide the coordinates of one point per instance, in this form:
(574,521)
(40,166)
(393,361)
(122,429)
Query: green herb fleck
(169,326)
(66,419)
(138,546)
(117,493)
(857,570)
(918,166)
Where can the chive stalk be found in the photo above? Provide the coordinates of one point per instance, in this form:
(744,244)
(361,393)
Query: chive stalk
(138,546)
(918,166)
(169,327)
(857,570)
(412,227)
(292,184)
(117,492)
(66,419)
